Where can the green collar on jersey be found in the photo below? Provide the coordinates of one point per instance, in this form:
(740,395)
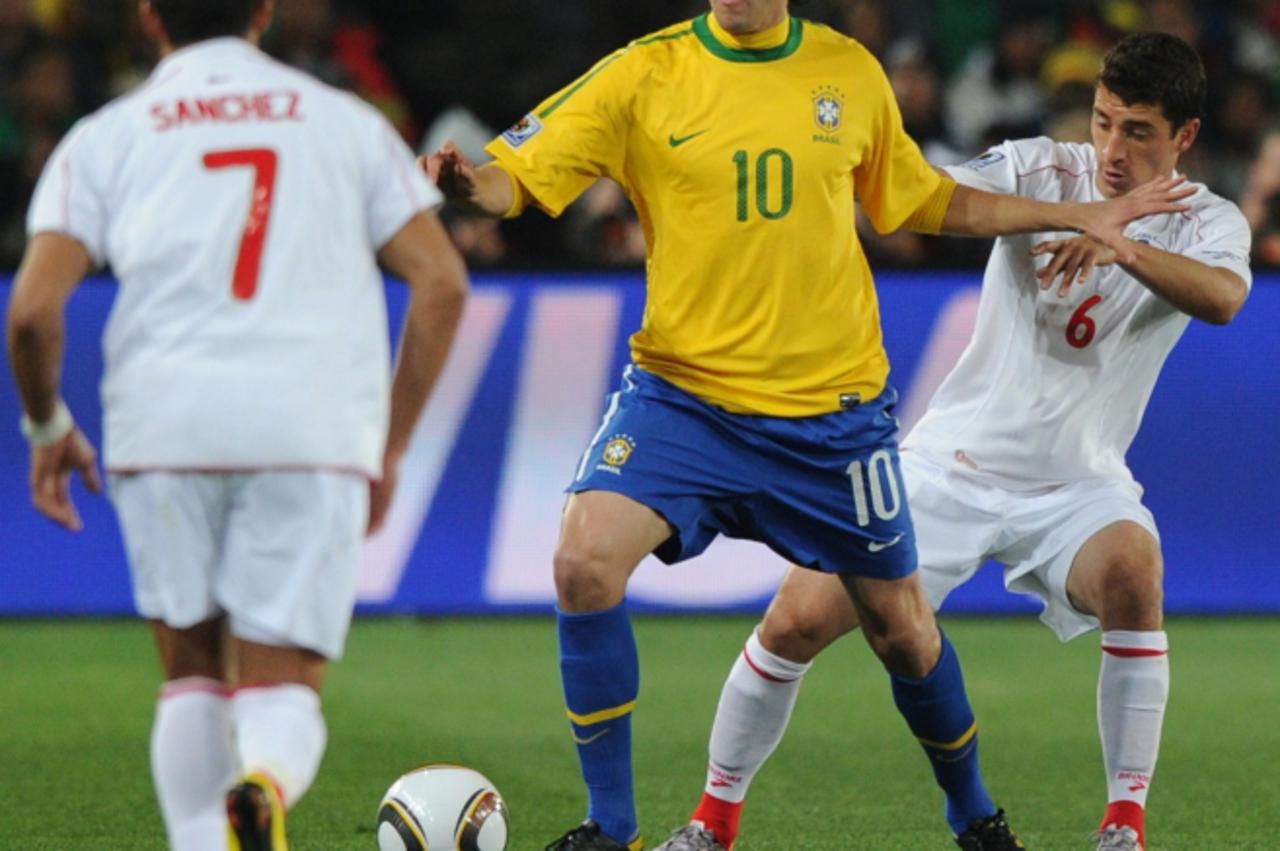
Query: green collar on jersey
(739,54)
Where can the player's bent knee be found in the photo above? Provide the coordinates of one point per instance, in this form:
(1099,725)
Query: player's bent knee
(1132,592)
(585,579)
(798,636)
(910,648)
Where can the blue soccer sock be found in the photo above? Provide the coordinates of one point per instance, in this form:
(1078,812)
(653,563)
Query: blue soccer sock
(937,711)
(601,673)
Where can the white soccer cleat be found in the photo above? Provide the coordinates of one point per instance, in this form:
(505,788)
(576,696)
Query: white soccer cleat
(1114,838)
(691,837)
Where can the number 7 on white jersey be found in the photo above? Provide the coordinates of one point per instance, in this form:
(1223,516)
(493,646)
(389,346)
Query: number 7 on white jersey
(263,161)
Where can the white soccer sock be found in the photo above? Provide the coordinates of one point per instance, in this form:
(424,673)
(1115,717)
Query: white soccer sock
(1133,690)
(280,732)
(755,706)
(192,762)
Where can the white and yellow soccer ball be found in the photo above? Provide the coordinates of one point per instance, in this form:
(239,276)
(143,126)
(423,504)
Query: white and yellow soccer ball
(442,808)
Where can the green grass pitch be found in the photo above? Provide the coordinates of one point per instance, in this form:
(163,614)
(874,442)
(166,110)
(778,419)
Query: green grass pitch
(76,700)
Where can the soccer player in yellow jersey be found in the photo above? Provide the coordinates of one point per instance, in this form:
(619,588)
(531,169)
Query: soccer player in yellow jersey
(756,405)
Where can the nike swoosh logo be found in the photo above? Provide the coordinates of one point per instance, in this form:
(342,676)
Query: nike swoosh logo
(589,739)
(876,546)
(676,141)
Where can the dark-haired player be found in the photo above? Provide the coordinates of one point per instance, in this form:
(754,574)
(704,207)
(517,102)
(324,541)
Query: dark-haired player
(1021,454)
(757,404)
(247,398)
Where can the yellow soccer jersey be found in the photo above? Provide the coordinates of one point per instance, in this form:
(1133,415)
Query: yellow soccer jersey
(743,165)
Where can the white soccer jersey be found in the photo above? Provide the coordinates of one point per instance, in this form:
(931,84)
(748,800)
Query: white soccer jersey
(240,204)
(1053,389)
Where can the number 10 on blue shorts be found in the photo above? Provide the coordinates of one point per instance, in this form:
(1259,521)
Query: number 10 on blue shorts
(824,492)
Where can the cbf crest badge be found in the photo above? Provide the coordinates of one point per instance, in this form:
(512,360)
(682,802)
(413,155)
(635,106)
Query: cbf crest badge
(618,450)
(828,108)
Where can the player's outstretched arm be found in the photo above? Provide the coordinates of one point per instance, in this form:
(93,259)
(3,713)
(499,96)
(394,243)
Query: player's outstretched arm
(52,268)
(973,212)
(488,190)
(1071,259)
(1209,293)
(423,256)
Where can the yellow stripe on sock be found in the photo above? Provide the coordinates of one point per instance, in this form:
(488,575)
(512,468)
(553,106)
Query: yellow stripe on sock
(636,844)
(951,746)
(602,715)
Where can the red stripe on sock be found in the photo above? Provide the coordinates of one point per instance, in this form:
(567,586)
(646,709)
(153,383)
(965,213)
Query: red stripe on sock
(1133,651)
(763,673)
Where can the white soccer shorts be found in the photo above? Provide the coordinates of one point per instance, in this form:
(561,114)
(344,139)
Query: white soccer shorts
(962,520)
(276,551)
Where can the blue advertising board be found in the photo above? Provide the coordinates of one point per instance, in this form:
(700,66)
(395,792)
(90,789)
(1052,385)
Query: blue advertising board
(475,519)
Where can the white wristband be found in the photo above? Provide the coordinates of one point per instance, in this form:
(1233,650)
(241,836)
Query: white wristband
(51,430)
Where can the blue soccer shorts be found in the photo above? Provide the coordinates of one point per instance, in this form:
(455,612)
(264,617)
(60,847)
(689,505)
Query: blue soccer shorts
(824,492)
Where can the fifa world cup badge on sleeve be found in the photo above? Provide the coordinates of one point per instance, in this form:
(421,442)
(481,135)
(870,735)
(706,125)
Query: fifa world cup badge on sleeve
(988,159)
(522,131)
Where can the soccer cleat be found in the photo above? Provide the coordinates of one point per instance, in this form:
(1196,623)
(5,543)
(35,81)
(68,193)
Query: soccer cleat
(1117,838)
(255,816)
(692,837)
(587,837)
(990,834)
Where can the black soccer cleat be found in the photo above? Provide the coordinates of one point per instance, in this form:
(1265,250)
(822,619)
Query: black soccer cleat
(255,816)
(587,837)
(990,834)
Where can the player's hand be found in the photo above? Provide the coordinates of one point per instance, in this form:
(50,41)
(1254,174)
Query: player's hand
(51,469)
(451,171)
(380,494)
(1074,259)
(1106,220)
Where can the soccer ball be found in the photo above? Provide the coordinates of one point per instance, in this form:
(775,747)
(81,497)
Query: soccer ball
(442,808)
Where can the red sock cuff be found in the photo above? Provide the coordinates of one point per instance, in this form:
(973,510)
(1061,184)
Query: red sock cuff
(719,817)
(1135,643)
(1127,814)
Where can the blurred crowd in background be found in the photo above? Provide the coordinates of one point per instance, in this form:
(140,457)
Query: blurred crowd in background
(968,73)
